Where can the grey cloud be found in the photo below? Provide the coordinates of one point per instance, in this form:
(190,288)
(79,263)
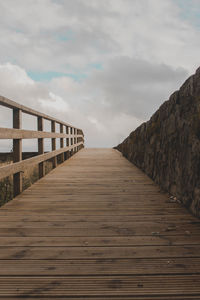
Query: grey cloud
(136,87)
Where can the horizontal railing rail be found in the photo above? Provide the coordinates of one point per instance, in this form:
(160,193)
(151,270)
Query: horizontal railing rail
(14,105)
(74,142)
(7,133)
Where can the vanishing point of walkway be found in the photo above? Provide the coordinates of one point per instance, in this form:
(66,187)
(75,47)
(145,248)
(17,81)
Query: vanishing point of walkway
(96,227)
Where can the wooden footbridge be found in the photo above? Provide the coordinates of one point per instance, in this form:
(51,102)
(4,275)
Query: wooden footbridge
(95,227)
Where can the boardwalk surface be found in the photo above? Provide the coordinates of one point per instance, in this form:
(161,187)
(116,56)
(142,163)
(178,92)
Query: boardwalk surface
(98,228)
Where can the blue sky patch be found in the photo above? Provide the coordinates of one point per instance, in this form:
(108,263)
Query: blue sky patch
(190,11)
(97,66)
(47,76)
(64,37)
(77,76)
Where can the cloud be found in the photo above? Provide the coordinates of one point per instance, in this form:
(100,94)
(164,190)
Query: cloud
(153,30)
(135,86)
(104,66)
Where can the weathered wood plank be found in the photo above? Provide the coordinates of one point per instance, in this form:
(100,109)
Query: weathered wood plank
(95,241)
(80,267)
(156,286)
(161,297)
(98,252)
(11,216)
(99,228)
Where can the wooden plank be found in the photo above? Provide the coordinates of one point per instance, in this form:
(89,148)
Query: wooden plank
(70,198)
(161,297)
(79,232)
(102,228)
(11,216)
(155,286)
(81,267)
(77,212)
(99,252)
(95,241)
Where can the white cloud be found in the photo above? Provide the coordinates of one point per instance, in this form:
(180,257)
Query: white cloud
(16,74)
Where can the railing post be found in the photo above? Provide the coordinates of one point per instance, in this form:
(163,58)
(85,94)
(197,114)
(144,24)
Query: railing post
(53,143)
(61,143)
(17,152)
(67,142)
(75,140)
(67,139)
(40,125)
(71,140)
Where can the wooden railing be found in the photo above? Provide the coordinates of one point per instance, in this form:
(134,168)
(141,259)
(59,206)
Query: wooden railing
(74,142)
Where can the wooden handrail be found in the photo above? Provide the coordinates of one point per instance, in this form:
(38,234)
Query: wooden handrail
(74,142)
(9,133)
(14,105)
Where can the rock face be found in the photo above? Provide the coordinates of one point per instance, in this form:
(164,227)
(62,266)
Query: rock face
(167,147)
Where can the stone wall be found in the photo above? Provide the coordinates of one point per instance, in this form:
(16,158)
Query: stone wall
(167,147)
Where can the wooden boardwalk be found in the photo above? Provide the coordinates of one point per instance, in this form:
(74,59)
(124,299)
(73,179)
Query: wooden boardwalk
(97,228)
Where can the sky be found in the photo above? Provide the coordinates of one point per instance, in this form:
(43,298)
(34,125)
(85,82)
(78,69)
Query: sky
(101,65)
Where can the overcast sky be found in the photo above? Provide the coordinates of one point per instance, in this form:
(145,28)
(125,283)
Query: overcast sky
(102,65)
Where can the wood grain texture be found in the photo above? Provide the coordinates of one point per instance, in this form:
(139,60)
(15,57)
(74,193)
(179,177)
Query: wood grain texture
(10,133)
(96,228)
